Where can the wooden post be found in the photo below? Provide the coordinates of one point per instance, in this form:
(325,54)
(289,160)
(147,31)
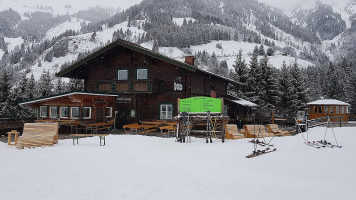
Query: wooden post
(272,117)
(9,137)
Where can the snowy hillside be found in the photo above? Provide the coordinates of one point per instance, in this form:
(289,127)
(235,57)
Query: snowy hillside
(73,24)
(79,44)
(141,167)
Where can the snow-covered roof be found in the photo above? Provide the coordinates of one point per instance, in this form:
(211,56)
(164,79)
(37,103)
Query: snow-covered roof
(244,102)
(328,102)
(66,94)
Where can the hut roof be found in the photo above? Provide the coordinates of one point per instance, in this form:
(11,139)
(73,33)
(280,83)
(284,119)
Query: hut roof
(329,102)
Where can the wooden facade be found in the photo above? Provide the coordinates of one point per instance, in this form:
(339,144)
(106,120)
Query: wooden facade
(147,84)
(329,107)
(80,106)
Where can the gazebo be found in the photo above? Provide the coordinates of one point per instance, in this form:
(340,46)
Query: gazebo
(329,107)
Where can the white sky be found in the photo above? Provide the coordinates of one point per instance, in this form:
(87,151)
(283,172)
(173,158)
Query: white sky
(289,4)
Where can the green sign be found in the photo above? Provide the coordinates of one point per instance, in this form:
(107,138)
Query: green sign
(200,105)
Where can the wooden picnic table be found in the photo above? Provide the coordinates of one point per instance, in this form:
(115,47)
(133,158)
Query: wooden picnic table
(98,126)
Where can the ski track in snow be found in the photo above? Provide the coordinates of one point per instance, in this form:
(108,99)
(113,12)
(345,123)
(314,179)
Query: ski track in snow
(142,167)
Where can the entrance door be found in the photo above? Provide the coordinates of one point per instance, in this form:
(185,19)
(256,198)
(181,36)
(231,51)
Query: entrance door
(99,115)
(123,116)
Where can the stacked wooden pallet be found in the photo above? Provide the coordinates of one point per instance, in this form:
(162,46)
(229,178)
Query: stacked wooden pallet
(256,131)
(38,135)
(231,132)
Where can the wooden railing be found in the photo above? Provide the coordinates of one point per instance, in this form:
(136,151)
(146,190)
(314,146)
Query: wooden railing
(134,86)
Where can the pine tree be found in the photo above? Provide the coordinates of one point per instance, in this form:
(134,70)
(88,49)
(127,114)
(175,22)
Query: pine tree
(253,82)
(31,86)
(287,93)
(213,64)
(45,85)
(5,85)
(336,87)
(75,85)
(224,69)
(22,86)
(298,84)
(59,86)
(155,47)
(261,51)
(241,75)
(93,37)
(269,90)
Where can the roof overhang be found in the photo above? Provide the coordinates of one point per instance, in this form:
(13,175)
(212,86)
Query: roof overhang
(328,102)
(243,102)
(37,100)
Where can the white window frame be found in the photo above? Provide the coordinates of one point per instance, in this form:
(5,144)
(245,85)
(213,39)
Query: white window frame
(89,112)
(108,116)
(50,112)
(161,111)
(71,112)
(138,76)
(342,109)
(337,109)
(122,70)
(60,112)
(43,116)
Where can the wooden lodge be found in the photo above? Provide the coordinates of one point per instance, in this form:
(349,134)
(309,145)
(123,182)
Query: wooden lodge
(139,85)
(329,107)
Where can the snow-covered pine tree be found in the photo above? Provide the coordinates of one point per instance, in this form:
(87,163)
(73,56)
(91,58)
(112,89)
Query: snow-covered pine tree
(155,47)
(59,86)
(93,37)
(253,82)
(287,93)
(5,85)
(75,85)
(261,50)
(269,86)
(45,86)
(213,64)
(22,86)
(335,83)
(224,69)
(298,83)
(241,75)
(31,88)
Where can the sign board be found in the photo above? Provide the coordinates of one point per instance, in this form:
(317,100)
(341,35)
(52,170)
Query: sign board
(200,105)
(179,84)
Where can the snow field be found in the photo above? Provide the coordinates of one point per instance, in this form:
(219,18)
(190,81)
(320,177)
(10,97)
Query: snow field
(13,42)
(141,167)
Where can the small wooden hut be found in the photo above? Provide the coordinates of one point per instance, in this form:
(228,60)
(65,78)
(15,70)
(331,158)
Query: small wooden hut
(329,107)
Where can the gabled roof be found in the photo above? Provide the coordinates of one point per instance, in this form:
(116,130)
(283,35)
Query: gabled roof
(329,102)
(64,95)
(135,47)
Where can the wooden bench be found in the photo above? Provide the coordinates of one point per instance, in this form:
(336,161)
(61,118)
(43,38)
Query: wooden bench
(274,128)
(76,137)
(256,131)
(232,132)
(38,134)
(132,127)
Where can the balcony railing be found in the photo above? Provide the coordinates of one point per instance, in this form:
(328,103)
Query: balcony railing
(127,86)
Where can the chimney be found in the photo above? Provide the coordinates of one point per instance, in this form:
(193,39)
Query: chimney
(189,60)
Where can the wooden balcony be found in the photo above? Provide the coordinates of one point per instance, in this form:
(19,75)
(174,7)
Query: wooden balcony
(129,86)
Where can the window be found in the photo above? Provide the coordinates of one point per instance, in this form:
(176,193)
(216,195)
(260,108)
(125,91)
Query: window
(142,74)
(166,111)
(325,110)
(64,112)
(315,109)
(337,109)
(320,109)
(74,112)
(53,112)
(331,109)
(108,112)
(347,110)
(43,111)
(342,109)
(122,74)
(86,112)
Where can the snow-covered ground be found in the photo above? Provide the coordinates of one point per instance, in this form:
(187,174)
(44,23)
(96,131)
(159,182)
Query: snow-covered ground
(141,167)
(1,53)
(72,24)
(13,42)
